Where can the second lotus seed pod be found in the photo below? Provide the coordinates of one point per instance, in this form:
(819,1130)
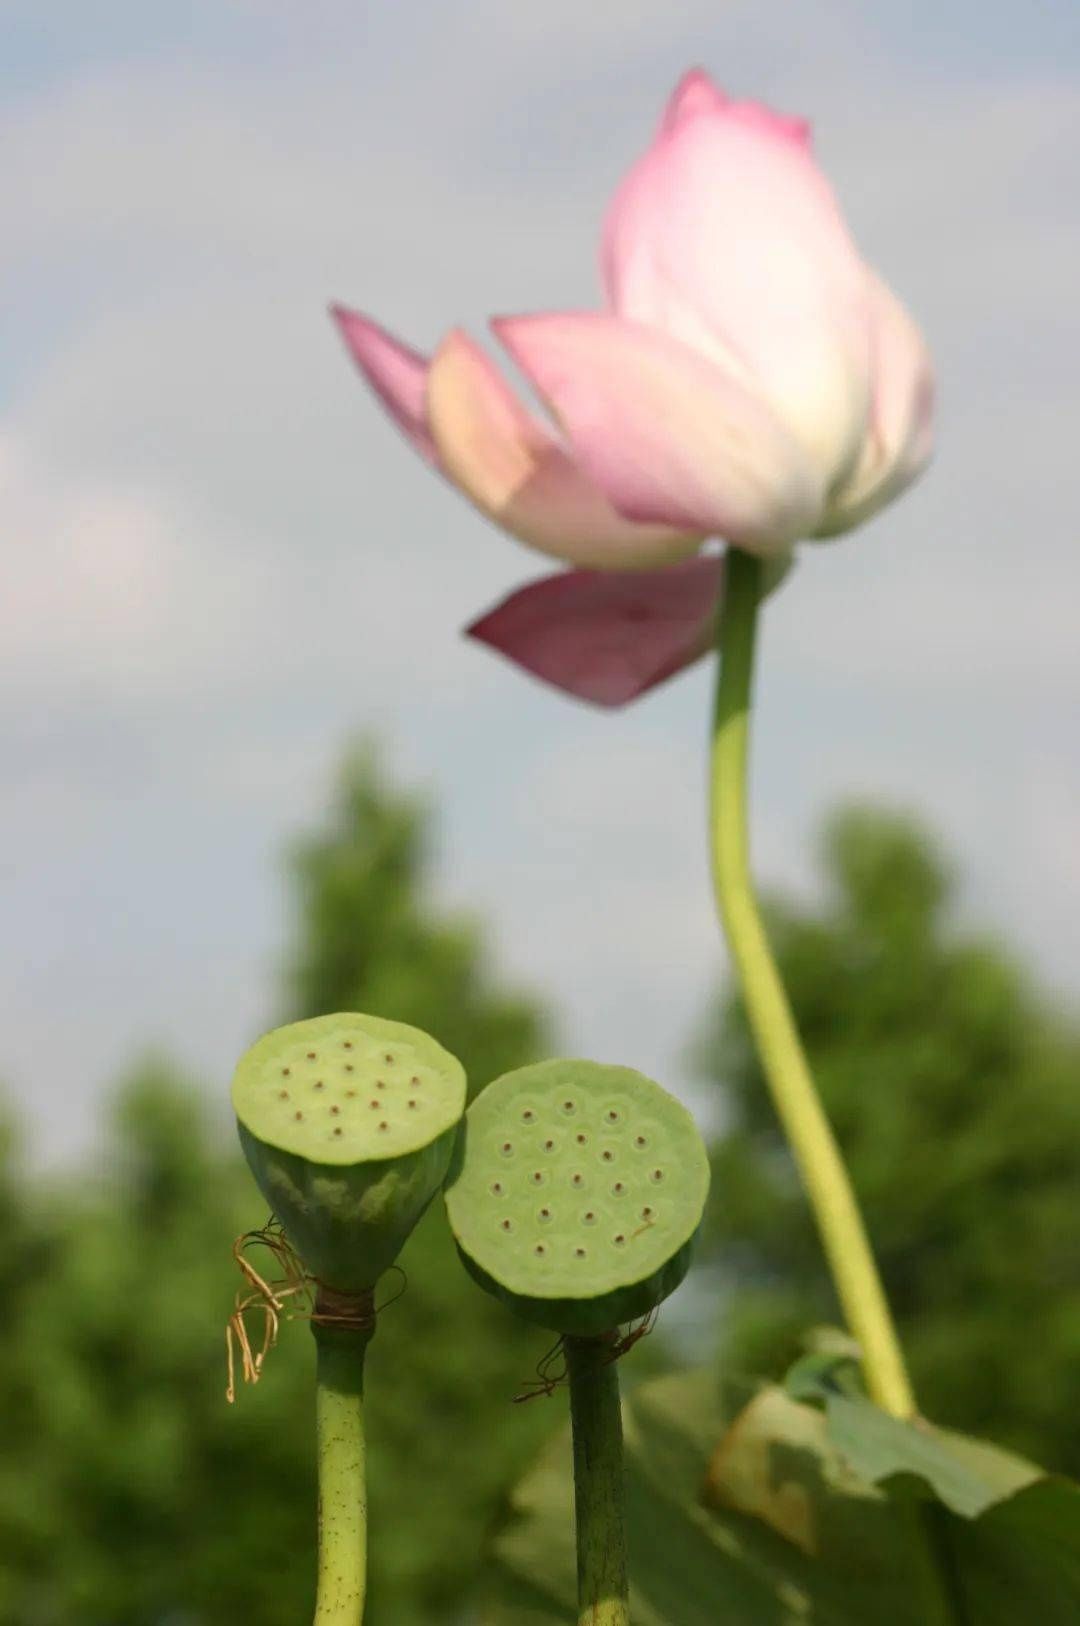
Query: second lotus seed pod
(575,1193)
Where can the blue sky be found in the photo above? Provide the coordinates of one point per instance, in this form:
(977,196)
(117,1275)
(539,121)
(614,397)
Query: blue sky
(222,562)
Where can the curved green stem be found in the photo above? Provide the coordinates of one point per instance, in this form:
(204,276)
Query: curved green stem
(339,1427)
(813,1145)
(599,1493)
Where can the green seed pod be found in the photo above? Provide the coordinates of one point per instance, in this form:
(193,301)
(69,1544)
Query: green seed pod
(575,1193)
(348,1124)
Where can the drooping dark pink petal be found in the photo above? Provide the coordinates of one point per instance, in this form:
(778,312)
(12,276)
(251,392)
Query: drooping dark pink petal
(608,637)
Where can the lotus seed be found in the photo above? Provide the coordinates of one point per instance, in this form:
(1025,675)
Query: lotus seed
(579,1253)
(374,1105)
(285,1071)
(589,1218)
(617,1189)
(646,1212)
(348,1066)
(350,1094)
(497,1188)
(639,1140)
(540,1249)
(311,1055)
(298,1116)
(507,1148)
(568,1106)
(576,1180)
(619,1240)
(613,1116)
(388,1057)
(335,1111)
(319,1085)
(413,1105)
(347,1044)
(507,1225)
(339,1131)
(384,1125)
(581,1139)
(283,1095)
(549,1146)
(528,1115)
(545,1214)
(656,1176)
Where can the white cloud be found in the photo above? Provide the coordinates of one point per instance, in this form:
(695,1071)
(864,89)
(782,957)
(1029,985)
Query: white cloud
(219,559)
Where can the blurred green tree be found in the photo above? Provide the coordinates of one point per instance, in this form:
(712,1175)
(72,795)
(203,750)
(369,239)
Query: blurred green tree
(954,1088)
(130,1493)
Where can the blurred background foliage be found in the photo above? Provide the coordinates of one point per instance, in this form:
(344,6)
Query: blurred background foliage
(132,1495)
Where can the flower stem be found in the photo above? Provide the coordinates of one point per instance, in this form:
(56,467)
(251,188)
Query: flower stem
(603,1596)
(339,1428)
(811,1139)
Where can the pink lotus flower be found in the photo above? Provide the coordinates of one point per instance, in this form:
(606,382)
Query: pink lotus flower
(750,379)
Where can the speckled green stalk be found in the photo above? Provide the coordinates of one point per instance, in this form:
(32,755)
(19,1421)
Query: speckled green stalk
(798,1106)
(603,1594)
(339,1432)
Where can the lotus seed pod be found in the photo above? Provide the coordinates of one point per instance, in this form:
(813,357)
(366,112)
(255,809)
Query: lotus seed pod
(575,1193)
(348,1123)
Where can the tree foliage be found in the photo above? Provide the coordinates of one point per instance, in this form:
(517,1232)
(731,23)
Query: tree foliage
(954,1088)
(130,1493)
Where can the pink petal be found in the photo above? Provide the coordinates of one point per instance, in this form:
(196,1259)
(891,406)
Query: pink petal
(696,93)
(396,373)
(512,468)
(727,236)
(899,436)
(608,637)
(667,434)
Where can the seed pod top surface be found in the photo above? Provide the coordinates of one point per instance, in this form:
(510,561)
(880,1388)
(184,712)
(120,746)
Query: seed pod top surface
(347,1089)
(577,1181)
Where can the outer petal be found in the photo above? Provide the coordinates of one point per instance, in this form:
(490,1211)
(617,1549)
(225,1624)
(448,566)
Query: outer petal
(604,637)
(899,436)
(668,434)
(518,474)
(727,236)
(397,374)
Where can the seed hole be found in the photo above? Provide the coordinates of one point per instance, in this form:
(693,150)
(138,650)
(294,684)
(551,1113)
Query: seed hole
(568,1107)
(298,1116)
(639,1141)
(577,1180)
(413,1105)
(608,1157)
(588,1218)
(506,1148)
(545,1215)
(285,1071)
(581,1139)
(384,1125)
(656,1176)
(549,1146)
(350,1094)
(283,1095)
(537,1178)
(339,1130)
(612,1116)
(646,1212)
(540,1250)
(496,1189)
(311,1055)
(380,1083)
(335,1112)
(347,1045)
(506,1225)
(619,1240)
(319,1085)
(528,1116)
(579,1253)
(374,1105)
(617,1189)
(389,1058)
(348,1066)
(414,1080)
